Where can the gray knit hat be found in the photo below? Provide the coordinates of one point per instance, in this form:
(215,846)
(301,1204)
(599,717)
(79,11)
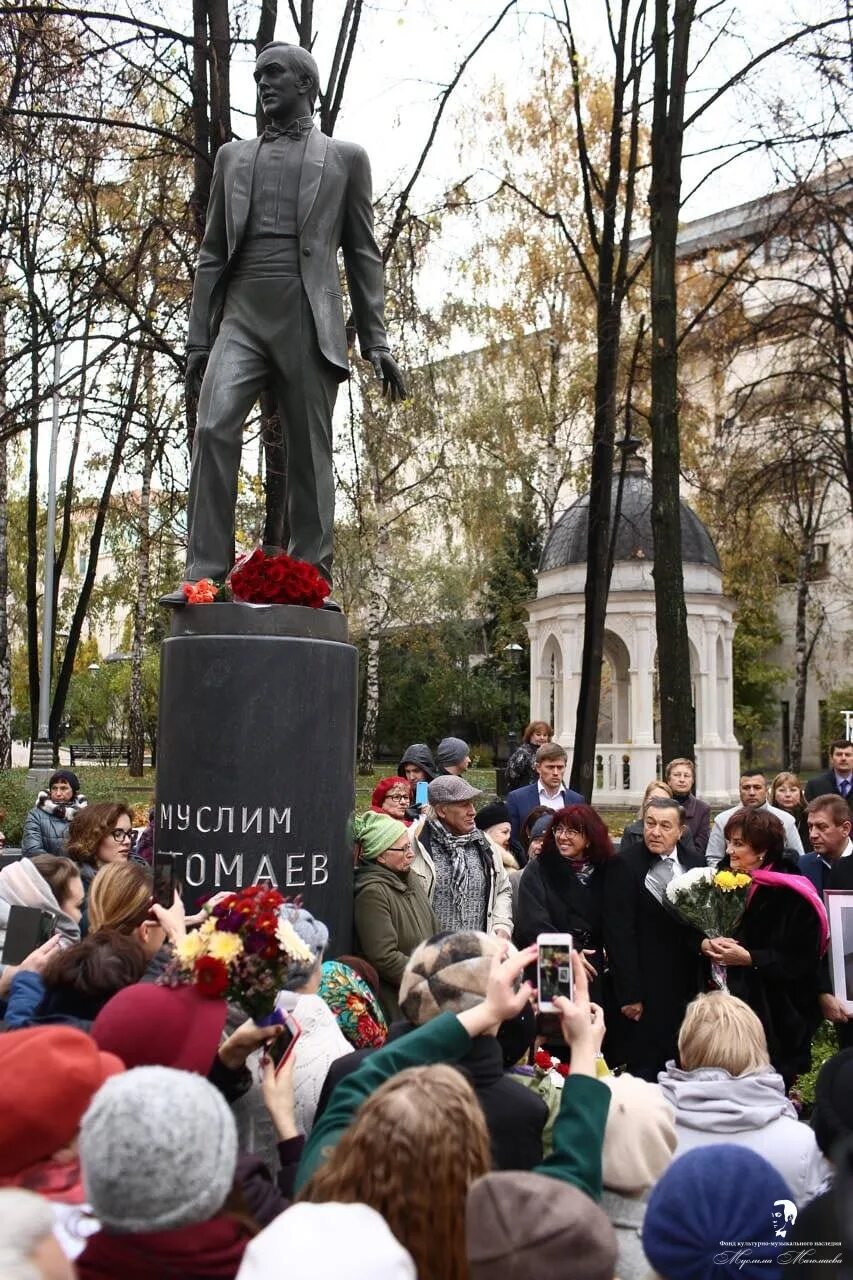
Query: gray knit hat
(448,973)
(158,1150)
(451,751)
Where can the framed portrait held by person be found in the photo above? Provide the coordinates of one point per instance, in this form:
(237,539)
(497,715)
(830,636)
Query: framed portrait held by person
(839,906)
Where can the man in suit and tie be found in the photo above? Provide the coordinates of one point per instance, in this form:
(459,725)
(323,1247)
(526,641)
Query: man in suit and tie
(267,310)
(667,967)
(838,779)
(547,790)
(830,867)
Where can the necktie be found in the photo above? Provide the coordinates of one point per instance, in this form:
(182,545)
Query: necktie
(844,787)
(659,875)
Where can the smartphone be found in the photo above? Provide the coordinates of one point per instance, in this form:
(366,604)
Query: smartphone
(421,794)
(280,1049)
(168,877)
(553,969)
(27,929)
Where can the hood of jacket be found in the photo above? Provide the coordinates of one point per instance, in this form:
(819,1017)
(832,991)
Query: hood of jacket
(418,753)
(712,1100)
(370,873)
(21,885)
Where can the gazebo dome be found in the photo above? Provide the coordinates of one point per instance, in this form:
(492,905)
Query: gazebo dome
(567,541)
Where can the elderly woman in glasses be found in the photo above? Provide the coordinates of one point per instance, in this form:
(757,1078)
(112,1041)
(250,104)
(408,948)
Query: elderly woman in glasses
(392,911)
(393,797)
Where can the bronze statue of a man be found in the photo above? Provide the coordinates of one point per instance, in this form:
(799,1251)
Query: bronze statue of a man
(267,310)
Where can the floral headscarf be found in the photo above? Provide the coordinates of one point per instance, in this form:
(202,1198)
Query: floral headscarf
(354,1005)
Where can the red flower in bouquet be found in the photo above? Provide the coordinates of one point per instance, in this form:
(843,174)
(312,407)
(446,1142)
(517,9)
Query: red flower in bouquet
(244,951)
(260,579)
(203,592)
(211,977)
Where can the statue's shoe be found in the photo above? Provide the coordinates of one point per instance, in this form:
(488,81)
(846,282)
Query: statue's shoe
(332,605)
(175,599)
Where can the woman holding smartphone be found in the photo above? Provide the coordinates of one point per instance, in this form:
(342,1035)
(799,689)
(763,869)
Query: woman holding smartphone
(577,885)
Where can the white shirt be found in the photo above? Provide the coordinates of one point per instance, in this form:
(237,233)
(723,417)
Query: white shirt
(845,853)
(551,802)
(717,843)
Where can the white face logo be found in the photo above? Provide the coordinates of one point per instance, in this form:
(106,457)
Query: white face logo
(784,1215)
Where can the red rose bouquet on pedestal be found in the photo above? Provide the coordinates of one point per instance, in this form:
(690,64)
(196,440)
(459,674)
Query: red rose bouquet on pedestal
(260,579)
(243,951)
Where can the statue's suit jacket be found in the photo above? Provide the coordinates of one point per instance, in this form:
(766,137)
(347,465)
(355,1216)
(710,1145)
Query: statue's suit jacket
(334,210)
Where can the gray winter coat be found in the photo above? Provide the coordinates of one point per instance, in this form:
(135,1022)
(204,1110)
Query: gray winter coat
(751,1111)
(44,830)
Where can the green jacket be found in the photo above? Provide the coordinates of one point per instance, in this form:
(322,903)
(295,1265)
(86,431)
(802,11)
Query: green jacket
(392,916)
(578,1131)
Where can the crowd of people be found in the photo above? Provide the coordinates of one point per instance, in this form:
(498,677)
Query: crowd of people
(429,1119)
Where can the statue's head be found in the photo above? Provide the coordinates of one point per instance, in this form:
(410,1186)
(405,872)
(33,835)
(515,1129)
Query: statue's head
(284,73)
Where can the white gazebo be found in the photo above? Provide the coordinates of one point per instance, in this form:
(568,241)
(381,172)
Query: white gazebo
(628,753)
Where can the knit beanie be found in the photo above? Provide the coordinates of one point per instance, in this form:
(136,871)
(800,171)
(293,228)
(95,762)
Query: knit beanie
(709,1195)
(327,1242)
(65,775)
(832,1117)
(541,826)
(307,928)
(150,1026)
(158,1149)
(640,1137)
(376,832)
(491,815)
(48,1076)
(519,1225)
(448,973)
(450,751)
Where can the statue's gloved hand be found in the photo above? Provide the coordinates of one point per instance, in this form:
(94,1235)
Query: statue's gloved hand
(196,365)
(390,374)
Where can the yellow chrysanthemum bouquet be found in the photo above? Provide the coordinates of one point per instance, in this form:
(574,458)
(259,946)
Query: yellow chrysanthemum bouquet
(712,901)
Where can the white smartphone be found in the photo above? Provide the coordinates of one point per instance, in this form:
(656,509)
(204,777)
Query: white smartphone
(553,969)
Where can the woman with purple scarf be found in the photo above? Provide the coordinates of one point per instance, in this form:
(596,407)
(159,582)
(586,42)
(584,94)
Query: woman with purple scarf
(773,960)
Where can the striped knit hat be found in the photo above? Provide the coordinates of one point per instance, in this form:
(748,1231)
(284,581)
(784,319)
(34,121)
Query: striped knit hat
(448,973)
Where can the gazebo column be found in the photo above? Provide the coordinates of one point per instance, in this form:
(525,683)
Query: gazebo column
(642,684)
(570,638)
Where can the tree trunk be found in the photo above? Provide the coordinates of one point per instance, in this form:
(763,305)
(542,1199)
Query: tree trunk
(802,650)
(5,663)
(57,710)
(219,24)
(375,612)
(597,584)
(136,717)
(33,575)
(201,127)
(677,715)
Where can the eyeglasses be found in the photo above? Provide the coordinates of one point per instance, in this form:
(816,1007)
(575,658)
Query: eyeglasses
(122,833)
(397,795)
(395,848)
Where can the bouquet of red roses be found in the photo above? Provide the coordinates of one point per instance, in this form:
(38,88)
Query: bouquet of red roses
(260,579)
(243,951)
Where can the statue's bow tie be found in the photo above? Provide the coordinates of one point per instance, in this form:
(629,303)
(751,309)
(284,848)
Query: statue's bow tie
(296,129)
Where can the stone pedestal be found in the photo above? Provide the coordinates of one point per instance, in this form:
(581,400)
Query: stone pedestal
(256,754)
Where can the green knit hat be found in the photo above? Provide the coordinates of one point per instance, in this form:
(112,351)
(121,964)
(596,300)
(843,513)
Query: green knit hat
(376,832)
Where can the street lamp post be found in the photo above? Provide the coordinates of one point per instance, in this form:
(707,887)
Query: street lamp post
(41,752)
(514,653)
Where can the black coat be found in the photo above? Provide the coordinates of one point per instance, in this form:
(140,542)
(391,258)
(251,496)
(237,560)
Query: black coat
(593,913)
(781,932)
(824,785)
(666,967)
(515,1117)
